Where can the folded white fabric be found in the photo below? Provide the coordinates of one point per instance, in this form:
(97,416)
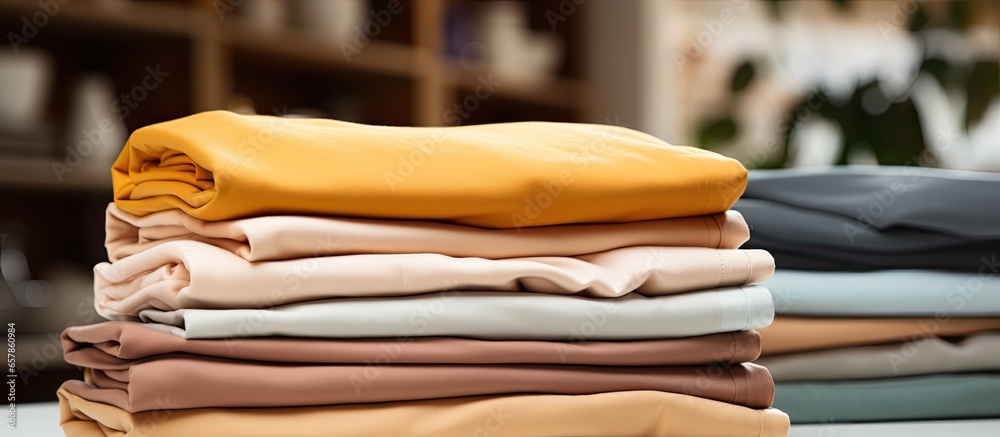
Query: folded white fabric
(486,315)
(922,356)
(191,274)
(887,292)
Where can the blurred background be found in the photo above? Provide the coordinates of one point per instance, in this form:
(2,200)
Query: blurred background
(771,83)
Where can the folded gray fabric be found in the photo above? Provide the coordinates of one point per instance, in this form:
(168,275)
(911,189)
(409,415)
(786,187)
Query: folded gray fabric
(928,397)
(871,217)
(487,315)
(886,293)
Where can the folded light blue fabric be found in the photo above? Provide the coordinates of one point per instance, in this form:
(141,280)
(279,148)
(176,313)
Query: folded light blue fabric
(929,397)
(886,293)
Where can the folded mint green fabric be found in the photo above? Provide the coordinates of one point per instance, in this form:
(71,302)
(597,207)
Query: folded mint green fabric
(956,396)
(886,293)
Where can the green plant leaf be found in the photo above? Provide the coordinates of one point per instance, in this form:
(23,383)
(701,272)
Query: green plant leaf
(981,88)
(742,77)
(714,133)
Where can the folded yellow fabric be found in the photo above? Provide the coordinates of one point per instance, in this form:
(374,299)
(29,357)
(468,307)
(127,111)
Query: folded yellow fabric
(632,413)
(219,165)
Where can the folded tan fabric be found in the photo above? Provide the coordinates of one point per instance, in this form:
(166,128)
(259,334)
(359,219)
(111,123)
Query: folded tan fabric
(216,382)
(634,413)
(191,274)
(272,238)
(219,166)
(116,345)
(797,334)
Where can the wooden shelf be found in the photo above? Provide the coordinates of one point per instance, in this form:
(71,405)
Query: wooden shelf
(38,173)
(163,18)
(394,59)
(554,92)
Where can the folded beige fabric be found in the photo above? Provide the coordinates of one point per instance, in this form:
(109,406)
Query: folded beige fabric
(201,382)
(272,238)
(925,356)
(117,345)
(798,334)
(191,274)
(631,413)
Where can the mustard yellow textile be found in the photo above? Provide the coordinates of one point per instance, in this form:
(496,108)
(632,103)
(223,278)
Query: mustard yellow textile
(633,413)
(219,165)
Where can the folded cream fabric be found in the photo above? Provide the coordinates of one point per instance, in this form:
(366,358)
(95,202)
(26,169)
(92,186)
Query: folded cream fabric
(918,357)
(271,238)
(116,345)
(487,315)
(219,165)
(215,382)
(632,413)
(797,334)
(190,274)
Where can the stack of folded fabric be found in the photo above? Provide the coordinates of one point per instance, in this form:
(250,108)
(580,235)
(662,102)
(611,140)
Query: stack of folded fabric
(519,279)
(887,294)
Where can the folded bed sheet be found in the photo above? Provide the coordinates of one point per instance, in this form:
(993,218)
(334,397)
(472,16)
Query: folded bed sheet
(487,315)
(798,334)
(978,353)
(634,413)
(271,238)
(215,382)
(885,293)
(117,345)
(219,165)
(925,397)
(190,274)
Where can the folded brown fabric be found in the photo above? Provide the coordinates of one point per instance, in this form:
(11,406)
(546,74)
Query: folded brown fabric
(116,345)
(798,334)
(633,413)
(197,382)
(271,238)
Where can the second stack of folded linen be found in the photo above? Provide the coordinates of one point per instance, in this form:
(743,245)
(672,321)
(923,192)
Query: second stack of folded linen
(371,325)
(887,294)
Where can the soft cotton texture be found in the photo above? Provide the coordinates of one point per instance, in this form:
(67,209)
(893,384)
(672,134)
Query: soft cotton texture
(797,334)
(636,413)
(271,238)
(874,217)
(219,165)
(924,397)
(978,353)
(487,315)
(190,274)
(117,345)
(885,293)
(214,382)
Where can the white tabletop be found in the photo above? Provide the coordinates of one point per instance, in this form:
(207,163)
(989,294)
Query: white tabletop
(42,420)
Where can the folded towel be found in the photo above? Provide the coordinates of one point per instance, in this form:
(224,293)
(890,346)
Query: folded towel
(213,382)
(635,413)
(885,293)
(861,218)
(912,398)
(798,334)
(271,238)
(487,315)
(978,353)
(219,166)
(190,274)
(116,345)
